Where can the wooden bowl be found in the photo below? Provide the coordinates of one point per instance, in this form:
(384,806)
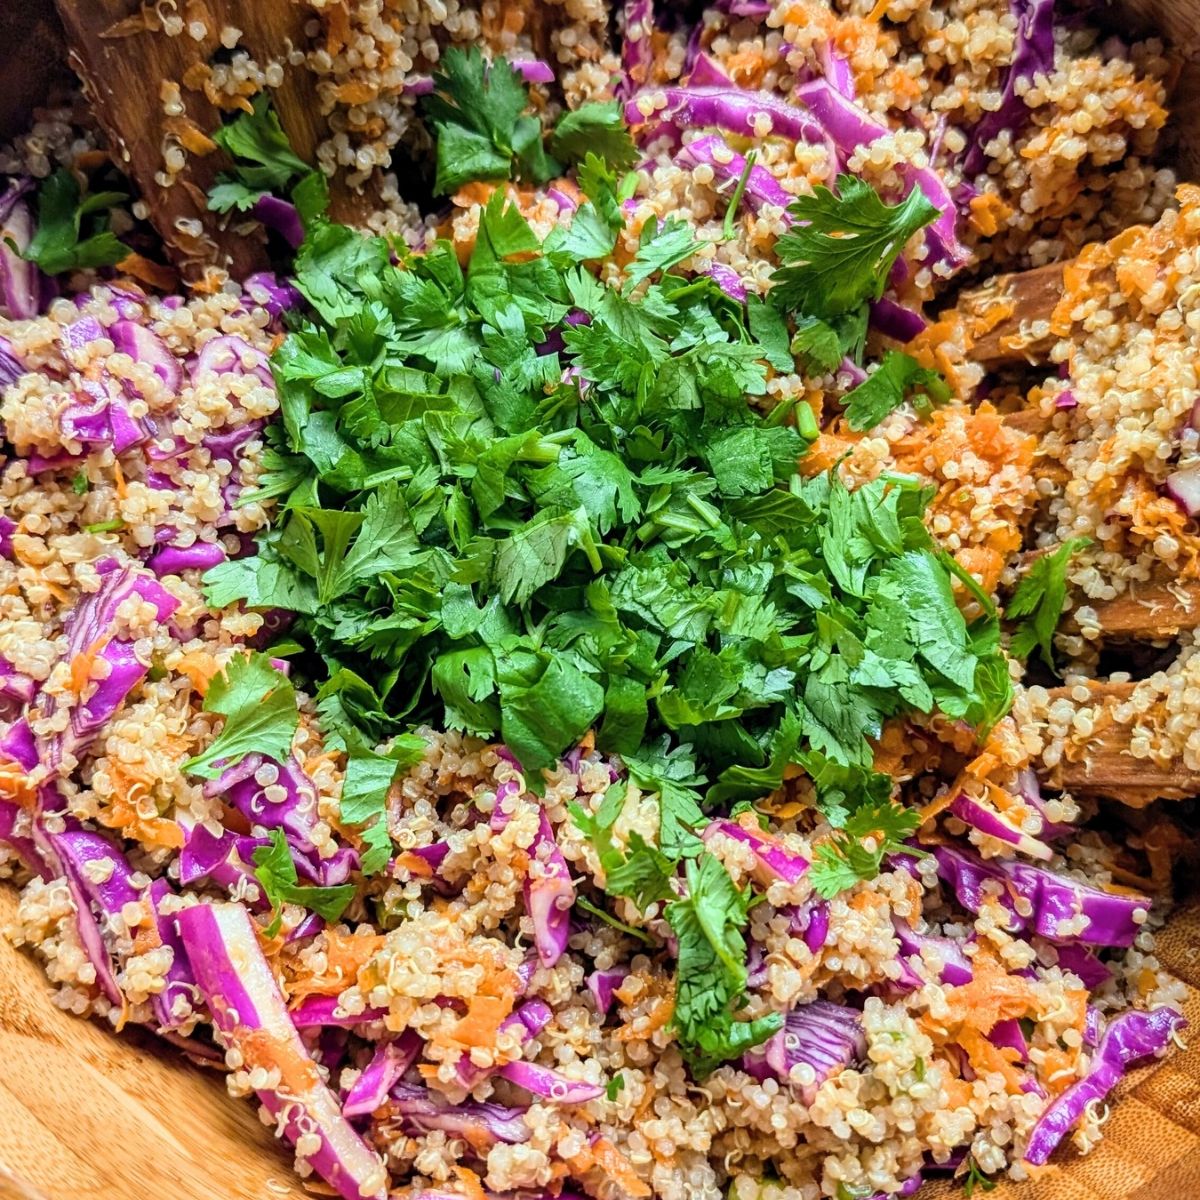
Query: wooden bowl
(86,1114)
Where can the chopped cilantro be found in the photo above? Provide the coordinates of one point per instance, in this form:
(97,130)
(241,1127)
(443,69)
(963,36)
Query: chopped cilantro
(595,127)
(615,1086)
(884,390)
(80,485)
(275,870)
(60,242)
(258,703)
(708,923)
(112,526)
(839,252)
(1039,599)
(368,778)
(478,112)
(264,159)
(856,852)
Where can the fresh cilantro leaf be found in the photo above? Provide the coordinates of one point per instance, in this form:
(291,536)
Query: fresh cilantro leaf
(476,110)
(711,979)
(856,852)
(599,184)
(275,870)
(770,331)
(615,1086)
(59,243)
(595,127)
(258,703)
(839,252)
(1039,599)
(257,138)
(660,247)
(817,345)
(884,390)
(80,484)
(368,778)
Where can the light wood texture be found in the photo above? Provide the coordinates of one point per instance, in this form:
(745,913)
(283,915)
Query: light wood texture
(1151,610)
(122,68)
(87,1114)
(1104,766)
(1001,314)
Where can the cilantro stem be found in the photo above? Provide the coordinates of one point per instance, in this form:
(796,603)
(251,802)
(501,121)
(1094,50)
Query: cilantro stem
(705,511)
(736,199)
(105,526)
(609,919)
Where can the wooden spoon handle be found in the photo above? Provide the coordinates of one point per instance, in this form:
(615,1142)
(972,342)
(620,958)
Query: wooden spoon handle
(124,66)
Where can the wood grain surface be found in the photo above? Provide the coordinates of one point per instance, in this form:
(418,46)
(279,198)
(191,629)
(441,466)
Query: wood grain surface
(88,1114)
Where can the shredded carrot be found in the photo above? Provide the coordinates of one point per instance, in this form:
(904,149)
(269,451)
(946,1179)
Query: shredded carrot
(198,667)
(604,1156)
(119,479)
(988,210)
(345,955)
(82,663)
(355,92)
(338,33)
(472,1188)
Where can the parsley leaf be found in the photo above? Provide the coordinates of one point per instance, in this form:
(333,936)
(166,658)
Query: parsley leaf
(846,859)
(476,110)
(258,703)
(1039,598)
(263,157)
(595,127)
(275,870)
(368,778)
(708,924)
(884,390)
(59,243)
(839,252)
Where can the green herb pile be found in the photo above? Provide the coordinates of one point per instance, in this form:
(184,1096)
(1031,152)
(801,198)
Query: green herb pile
(518,502)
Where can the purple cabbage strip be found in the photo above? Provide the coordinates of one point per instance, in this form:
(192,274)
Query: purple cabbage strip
(1082,962)
(1093,1025)
(23,288)
(728,109)
(145,346)
(775,861)
(550,1084)
(603,986)
(7,528)
(851,127)
(1030,791)
(988,821)
(1007,1035)
(811,921)
(83,858)
(837,70)
(757,10)
(705,73)
(281,216)
(225,860)
(825,1036)
(728,167)
(16,690)
(11,367)
(313,1012)
(727,279)
(295,813)
(1033,54)
(22,844)
(956,966)
(229,354)
(178,984)
(637,52)
(249,1012)
(174,560)
(392,1058)
(895,320)
(526,1021)
(1055,900)
(549,895)
(89,630)
(479,1123)
(1130,1037)
(756,965)
(264,288)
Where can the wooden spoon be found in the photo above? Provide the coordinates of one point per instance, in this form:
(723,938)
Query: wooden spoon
(123,64)
(88,1114)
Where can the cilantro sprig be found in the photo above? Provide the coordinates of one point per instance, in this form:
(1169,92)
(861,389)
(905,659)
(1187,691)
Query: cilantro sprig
(72,228)
(275,870)
(1039,600)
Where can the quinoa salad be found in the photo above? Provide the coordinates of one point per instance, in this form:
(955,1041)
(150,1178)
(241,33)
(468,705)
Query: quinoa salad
(587,681)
